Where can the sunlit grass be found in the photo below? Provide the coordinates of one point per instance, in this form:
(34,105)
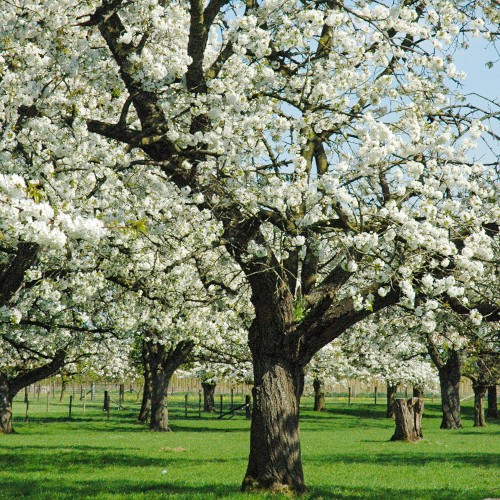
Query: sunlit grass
(346,454)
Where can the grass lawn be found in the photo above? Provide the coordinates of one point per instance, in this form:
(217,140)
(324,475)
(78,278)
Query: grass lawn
(346,454)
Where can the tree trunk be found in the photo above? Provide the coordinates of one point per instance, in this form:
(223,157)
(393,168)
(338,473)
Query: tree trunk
(319,396)
(418,391)
(492,402)
(391,398)
(162,364)
(275,459)
(159,403)
(208,396)
(449,378)
(5,407)
(146,393)
(479,393)
(64,386)
(408,414)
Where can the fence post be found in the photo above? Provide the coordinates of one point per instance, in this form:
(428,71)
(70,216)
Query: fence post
(221,402)
(106,401)
(349,397)
(232,398)
(70,405)
(92,391)
(248,413)
(185,405)
(375,393)
(199,402)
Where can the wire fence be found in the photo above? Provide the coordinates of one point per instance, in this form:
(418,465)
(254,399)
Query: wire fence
(54,398)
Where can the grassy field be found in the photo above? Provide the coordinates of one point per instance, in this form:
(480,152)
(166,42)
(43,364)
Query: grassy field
(346,454)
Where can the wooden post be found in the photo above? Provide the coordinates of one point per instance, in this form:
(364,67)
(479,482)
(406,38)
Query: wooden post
(92,391)
(221,402)
(375,395)
(186,405)
(38,391)
(106,401)
(199,402)
(232,398)
(349,397)
(70,405)
(248,412)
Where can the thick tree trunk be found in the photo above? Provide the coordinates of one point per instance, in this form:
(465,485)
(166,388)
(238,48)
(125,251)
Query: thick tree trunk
(479,393)
(208,396)
(492,402)
(275,459)
(5,407)
(408,414)
(449,378)
(162,364)
(159,404)
(391,398)
(319,396)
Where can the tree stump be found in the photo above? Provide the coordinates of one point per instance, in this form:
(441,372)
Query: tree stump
(408,413)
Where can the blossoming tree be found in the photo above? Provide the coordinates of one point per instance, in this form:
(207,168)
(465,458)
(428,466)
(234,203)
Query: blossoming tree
(328,138)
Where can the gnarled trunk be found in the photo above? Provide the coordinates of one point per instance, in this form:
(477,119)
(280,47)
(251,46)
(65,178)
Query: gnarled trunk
(492,402)
(162,364)
(275,459)
(208,396)
(449,378)
(408,414)
(391,398)
(5,407)
(479,393)
(159,403)
(319,396)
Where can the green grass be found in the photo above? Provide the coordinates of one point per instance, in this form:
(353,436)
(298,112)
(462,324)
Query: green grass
(346,454)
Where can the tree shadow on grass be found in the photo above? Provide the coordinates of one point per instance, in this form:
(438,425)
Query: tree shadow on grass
(367,493)
(125,489)
(407,459)
(112,489)
(37,458)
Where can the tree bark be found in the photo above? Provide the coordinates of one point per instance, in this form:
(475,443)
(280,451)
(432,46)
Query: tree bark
(163,363)
(449,378)
(391,398)
(408,414)
(64,386)
(146,393)
(5,407)
(319,396)
(479,393)
(208,396)
(275,458)
(492,402)
(9,387)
